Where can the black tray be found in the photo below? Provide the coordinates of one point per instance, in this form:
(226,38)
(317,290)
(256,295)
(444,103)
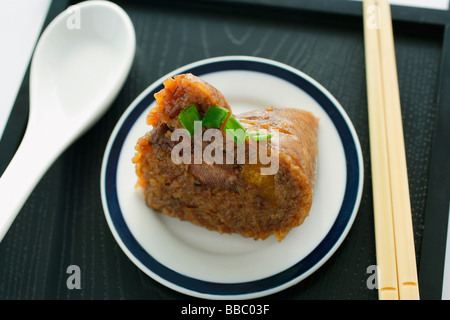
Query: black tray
(63,223)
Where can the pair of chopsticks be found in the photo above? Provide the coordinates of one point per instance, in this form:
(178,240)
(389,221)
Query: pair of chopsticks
(395,253)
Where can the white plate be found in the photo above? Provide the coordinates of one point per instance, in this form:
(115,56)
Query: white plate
(206,264)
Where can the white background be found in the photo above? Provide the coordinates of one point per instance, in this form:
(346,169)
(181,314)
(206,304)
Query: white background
(20,25)
(431,4)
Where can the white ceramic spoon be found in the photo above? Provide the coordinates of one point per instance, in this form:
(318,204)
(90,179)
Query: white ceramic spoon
(79,65)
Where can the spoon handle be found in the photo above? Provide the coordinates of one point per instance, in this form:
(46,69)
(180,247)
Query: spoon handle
(31,161)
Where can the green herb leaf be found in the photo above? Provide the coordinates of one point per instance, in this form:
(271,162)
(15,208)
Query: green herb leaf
(259,135)
(235,130)
(188,116)
(215,116)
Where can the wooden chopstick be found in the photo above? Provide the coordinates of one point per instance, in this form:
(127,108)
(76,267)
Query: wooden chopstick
(401,205)
(397,276)
(381,187)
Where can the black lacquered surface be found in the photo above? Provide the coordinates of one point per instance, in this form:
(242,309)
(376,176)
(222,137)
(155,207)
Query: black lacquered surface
(63,223)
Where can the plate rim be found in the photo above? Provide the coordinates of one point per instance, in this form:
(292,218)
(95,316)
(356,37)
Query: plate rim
(294,279)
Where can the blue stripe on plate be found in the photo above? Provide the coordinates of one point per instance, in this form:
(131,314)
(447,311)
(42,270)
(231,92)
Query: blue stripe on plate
(228,289)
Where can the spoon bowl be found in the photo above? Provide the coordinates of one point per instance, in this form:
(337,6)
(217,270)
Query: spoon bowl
(79,65)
